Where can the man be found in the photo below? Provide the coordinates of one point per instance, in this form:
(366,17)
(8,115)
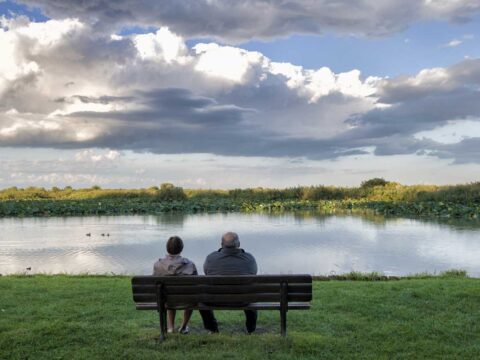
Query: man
(229,260)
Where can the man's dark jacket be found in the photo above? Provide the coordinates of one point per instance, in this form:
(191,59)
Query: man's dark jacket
(230,261)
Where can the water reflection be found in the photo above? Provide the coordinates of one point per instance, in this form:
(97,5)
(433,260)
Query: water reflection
(285,243)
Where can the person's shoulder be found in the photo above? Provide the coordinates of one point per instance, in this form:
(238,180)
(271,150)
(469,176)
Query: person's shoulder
(158,262)
(187,261)
(213,254)
(247,254)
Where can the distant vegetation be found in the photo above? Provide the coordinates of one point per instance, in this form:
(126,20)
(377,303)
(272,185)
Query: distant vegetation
(378,195)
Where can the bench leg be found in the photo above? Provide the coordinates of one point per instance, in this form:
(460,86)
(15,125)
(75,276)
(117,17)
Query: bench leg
(162,312)
(283,307)
(283,322)
(163,324)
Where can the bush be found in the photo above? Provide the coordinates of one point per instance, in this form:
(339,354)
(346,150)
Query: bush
(169,192)
(374,182)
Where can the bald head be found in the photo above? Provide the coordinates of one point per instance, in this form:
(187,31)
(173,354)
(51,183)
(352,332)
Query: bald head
(230,240)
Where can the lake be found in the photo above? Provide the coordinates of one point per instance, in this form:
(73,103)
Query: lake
(286,243)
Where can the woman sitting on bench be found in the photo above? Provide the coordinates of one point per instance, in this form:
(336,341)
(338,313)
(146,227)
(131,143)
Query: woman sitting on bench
(174,264)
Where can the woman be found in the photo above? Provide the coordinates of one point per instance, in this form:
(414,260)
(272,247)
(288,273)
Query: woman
(174,264)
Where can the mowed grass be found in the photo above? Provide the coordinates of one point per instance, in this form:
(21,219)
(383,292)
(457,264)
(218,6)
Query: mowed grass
(93,317)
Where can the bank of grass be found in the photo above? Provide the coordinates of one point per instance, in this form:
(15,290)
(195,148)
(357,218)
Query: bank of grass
(374,195)
(93,317)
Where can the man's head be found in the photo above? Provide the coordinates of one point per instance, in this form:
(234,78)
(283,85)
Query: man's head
(230,240)
(174,245)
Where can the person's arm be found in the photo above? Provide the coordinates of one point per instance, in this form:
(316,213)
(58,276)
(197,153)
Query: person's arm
(254,266)
(205,265)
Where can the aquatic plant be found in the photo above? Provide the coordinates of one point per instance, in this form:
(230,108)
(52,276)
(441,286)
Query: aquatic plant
(375,195)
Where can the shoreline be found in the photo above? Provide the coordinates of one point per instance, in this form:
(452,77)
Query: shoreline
(120,207)
(351,276)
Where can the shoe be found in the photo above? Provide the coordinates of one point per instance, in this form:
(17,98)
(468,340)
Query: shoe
(170,331)
(184,330)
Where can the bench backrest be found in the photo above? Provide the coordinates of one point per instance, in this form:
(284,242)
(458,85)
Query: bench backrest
(222,289)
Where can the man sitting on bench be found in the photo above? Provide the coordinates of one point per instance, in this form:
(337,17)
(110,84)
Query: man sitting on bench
(229,260)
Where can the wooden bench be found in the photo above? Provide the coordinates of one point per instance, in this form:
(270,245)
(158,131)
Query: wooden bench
(244,292)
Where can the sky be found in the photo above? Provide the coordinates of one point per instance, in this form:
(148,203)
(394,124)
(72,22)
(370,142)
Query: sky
(238,93)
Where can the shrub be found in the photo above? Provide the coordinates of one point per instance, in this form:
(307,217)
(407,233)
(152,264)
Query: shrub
(374,182)
(170,192)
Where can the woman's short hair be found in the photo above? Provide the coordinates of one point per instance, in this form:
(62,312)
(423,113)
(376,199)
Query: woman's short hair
(174,245)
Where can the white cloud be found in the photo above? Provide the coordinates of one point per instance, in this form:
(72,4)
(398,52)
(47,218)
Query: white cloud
(456,9)
(317,83)
(134,170)
(161,46)
(453,43)
(226,62)
(44,35)
(78,86)
(92,156)
(54,179)
(36,129)
(456,42)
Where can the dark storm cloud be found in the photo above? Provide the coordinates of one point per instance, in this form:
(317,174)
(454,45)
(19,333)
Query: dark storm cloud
(94,100)
(465,151)
(234,20)
(170,106)
(424,102)
(424,113)
(176,121)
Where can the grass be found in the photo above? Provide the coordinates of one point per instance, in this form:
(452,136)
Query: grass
(93,317)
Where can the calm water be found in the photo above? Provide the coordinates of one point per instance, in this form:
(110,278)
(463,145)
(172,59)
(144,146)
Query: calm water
(281,244)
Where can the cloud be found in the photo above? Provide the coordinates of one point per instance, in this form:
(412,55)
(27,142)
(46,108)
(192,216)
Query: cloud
(237,21)
(161,46)
(457,42)
(105,92)
(453,43)
(226,62)
(428,82)
(429,100)
(91,156)
(151,93)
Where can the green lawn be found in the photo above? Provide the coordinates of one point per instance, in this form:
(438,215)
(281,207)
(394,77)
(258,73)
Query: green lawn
(73,317)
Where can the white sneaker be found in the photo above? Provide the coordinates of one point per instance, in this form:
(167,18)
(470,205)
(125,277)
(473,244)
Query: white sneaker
(169,331)
(184,330)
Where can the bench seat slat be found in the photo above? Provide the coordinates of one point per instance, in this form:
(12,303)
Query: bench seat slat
(223,289)
(234,298)
(218,280)
(251,306)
